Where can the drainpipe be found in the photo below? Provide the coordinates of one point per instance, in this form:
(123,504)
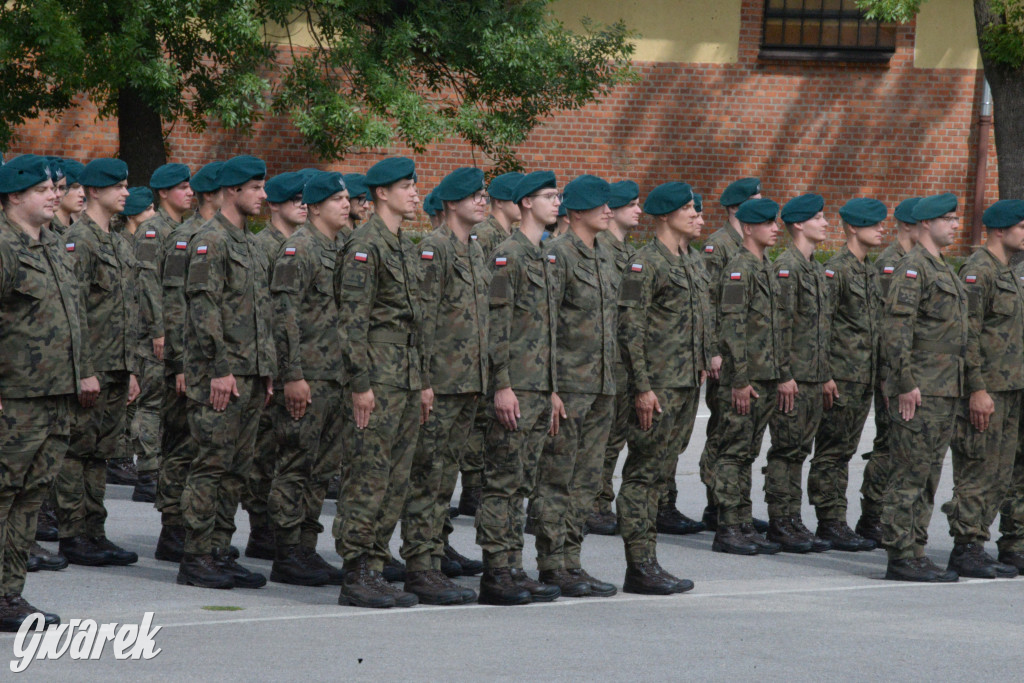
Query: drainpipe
(981,163)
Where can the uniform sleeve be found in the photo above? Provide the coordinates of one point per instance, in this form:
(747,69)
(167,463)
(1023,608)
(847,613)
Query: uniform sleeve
(84,267)
(787,288)
(635,297)
(733,307)
(979,285)
(173,306)
(501,306)
(433,273)
(8,270)
(149,254)
(834,284)
(203,288)
(713,263)
(898,325)
(291,280)
(357,294)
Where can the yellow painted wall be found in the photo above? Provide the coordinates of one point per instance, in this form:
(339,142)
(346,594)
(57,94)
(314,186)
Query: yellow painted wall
(946,38)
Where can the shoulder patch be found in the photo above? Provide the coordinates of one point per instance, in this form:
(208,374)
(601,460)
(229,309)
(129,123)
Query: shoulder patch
(735,276)
(830,273)
(70,246)
(637,267)
(361,256)
(473,237)
(970,279)
(427,255)
(551,258)
(150,234)
(783,273)
(285,275)
(181,245)
(501,261)
(732,295)
(201,249)
(709,249)
(631,290)
(888,270)
(289,251)
(912,274)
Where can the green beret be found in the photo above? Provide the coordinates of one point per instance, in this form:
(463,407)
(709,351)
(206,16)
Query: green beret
(863,212)
(23,172)
(205,179)
(802,208)
(309,172)
(356,184)
(459,184)
(432,205)
(1005,213)
(72,170)
(667,197)
(240,170)
(56,168)
(904,210)
(390,171)
(936,206)
(169,175)
(503,187)
(585,193)
(323,185)
(284,186)
(532,182)
(698,203)
(139,199)
(103,173)
(740,191)
(757,211)
(623,192)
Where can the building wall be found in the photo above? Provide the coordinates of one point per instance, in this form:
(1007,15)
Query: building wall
(705,111)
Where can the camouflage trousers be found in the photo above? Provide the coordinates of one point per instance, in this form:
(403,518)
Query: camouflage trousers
(96,434)
(261,475)
(916,451)
(223,443)
(309,455)
(471,458)
(834,446)
(435,468)
(376,479)
(617,436)
(982,467)
(792,438)
(737,443)
(1011,512)
(145,424)
(34,435)
(876,472)
(650,454)
(569,479)
(510,475)
(711,390)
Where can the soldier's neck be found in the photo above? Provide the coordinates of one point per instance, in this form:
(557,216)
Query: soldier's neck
(857,249)
(929,245)
(996,248)
(755,248)
(619,231)
(669,239)
(392,220)
(531,230)
(500,219)
(283,226)
(65,217)
(459,228)
(905,242)
(804,245)
(328,231)
(99,216)
(172,213)
(735,224)
(26,226)
(585,234)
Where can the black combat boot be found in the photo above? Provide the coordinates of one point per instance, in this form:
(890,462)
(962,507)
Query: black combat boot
(469,501)
(333,488)
(601,523)
(46,524)
(39,558)
(598,588)
(919,569)
(430,591)
(145,488)
(870,527)
(710,518)
(467,567)
(242,576)
(467,595)
(122,471)
(261,543)
(1012,558)
(171,544)
(764,546)
(335,576)
(203,571)
(290,566)
(14,610)
(818,545)
(971,560)
(842,536)
(679,585)
(394,570)
(730,539)
(539,592)
(402,598)
(760,525)
(569,586)
(498,588)
(781,531)
(81,550)
(362,587)
(671,521)
(118,555)
(645,579)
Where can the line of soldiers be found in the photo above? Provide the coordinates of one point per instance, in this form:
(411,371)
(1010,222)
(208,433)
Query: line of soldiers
(524,357)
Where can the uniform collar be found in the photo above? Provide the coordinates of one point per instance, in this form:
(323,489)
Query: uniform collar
(673,259)
(377,224)
(229,227)
(532,249)
(588,252)
(46,236)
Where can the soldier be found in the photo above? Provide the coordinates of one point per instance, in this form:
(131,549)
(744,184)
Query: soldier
(876,472)
(754,377)
(570,466)
(454,283)
(138,209)
(40,371)
(625,205)
(229,370)
(60,187)
(985,436)
(358,203)
(382,361)
(176,446)
(662,334)
(854,296)
(72,202)
(434,210)
(287,214)
(720,248)
(174,195)
(805,344)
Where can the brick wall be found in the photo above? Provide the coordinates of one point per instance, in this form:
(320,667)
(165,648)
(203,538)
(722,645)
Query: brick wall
(839,129)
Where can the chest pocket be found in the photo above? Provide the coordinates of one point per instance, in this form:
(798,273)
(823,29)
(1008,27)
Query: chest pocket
(760,297)
(533,289)
(678,297)
(857,292)
(107,270)
(1004,302)
(942,302)
(394,266)
(238,269)
(808,296)
(583,289)
(32,280)
(325,278)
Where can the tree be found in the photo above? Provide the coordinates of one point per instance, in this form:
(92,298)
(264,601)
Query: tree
(1000,28)
(367,73)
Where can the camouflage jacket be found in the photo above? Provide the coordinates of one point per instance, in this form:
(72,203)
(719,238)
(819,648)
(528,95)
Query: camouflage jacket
(379,309)
(454,285)
(721,247)
(885,264)
(623,254)
(57,225)
(662,311)
(805,331)
(105,266)
(306,321)
(489,234)
(173,305)
(523,317)
(150,241)
(228,321)
(751,321)
(925,327)
(995,332)
(268,243)
(854,295)
(40,337)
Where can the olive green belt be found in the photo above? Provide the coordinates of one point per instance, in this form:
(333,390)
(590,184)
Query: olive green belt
(939,347)
(386,337)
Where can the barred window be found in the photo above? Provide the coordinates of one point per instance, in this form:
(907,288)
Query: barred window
(824,30)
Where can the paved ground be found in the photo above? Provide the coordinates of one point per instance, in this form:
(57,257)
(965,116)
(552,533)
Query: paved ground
(808,617)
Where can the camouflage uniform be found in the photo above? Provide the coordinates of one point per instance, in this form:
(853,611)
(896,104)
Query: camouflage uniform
(40,347)
(854,295)
(751,313)
(570,466)
(381,349)
(227,332)
(489,234)
(662,334)
(454,283)
(306,324)
(925,335)
(521,338)
(983,461)
(58,226)
(105,268)
(805,342)
(1011,512)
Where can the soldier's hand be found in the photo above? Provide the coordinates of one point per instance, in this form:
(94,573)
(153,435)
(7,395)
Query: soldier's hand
(88,390)
(829,392)
(787,392)
(982,406)
(296,397)
(158,348)
(363,403)
(909,403)
(133,388)
(557,414)
(646,405)
(716,367)
(703,376)
(270,391)
(179,384)
(506,408)
(741,399)
(221,391)
(426,404)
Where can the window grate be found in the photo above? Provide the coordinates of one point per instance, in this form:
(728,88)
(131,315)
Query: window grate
(823,27)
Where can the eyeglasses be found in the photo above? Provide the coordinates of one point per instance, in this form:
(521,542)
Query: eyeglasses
(951,219)
(549,196)
(480,197)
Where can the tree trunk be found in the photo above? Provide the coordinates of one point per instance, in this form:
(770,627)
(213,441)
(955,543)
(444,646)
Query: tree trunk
(141,136)
(1007,86)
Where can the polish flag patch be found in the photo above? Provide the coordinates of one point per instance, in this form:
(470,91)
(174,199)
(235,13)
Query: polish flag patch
(427,255)
(201,249)
(888,270)
(70,246)
(783,273)
(736,276)
(360,256)
(710,249)
(637,267)
(501,261)
(830,273)
(289,251)
(151,233)
(473,237)
(971,279)
(912,274)
(551,258)
(181,245)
